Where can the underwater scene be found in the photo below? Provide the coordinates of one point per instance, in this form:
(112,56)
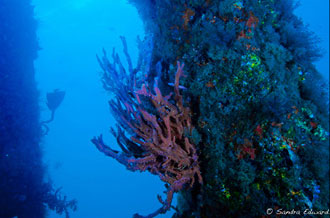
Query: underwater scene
(164,108)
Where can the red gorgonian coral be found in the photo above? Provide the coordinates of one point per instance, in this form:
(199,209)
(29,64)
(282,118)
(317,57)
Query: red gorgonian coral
(157,141)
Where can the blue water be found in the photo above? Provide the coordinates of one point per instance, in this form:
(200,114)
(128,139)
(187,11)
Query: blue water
(71,33)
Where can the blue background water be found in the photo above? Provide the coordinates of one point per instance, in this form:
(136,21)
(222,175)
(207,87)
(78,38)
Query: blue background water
(71,33)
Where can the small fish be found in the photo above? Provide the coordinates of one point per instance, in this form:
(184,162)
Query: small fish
(180,87)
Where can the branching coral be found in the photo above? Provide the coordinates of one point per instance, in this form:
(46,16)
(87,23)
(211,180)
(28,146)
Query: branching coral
(57,202)
(158,141)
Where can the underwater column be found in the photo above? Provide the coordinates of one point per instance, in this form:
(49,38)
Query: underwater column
(259,105)
(21,171)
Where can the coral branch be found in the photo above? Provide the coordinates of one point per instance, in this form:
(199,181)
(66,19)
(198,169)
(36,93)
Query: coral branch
(157,141)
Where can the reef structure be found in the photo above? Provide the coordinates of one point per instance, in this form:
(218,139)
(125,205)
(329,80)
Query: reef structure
(259,106)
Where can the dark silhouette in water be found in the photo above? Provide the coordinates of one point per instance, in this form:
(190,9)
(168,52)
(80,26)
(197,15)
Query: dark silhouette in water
(54,99)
